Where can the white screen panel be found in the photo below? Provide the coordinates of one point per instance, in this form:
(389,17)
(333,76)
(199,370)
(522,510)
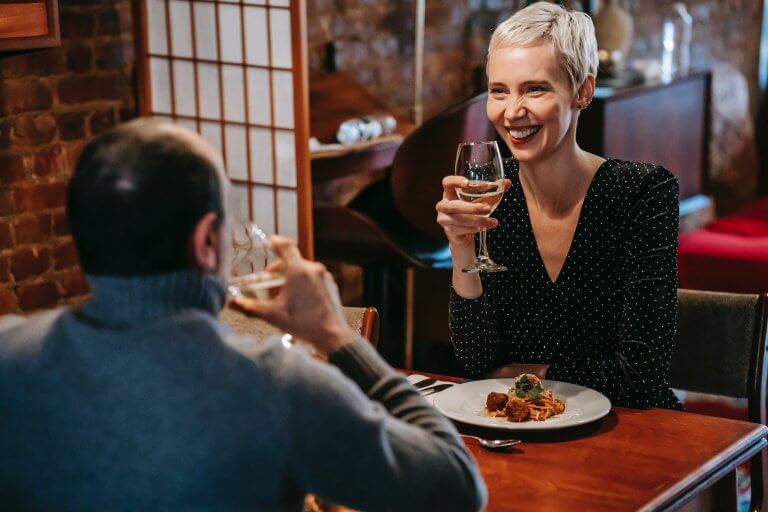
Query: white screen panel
(156,27)
(181,28)
(258,96)
(184,87)
(285,147)
(264,208)
(287,210)
(256,44)
(230,33)
(261,155)
(238,203)
(282,87)
(208,83)
(280,29)
(161,85)
(187,123)
(237,160)
(234,95)
(212,133)
(205,30)
(281,3)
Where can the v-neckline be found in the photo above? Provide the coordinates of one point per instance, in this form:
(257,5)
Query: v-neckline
(579,222)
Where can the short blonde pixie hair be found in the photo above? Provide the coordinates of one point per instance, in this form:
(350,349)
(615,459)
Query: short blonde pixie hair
(572,34)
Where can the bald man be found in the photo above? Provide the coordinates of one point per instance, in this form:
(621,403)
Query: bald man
(143,400)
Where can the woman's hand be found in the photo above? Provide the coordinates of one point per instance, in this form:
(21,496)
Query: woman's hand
(459,219)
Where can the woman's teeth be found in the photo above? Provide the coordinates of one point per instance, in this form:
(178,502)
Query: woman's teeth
(524,133)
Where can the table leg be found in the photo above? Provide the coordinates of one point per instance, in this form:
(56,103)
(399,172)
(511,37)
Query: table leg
(724,495)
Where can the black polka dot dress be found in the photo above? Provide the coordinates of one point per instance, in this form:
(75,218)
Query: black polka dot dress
(608,321)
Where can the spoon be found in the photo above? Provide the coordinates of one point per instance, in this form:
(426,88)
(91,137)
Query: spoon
(493,444)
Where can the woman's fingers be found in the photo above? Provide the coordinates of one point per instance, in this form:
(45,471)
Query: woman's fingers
(467,221)
(451,183)
(453,207)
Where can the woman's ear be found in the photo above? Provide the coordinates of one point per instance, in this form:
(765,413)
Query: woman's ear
(586,92)
(204,244)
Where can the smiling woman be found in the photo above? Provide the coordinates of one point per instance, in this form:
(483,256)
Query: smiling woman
(590,244)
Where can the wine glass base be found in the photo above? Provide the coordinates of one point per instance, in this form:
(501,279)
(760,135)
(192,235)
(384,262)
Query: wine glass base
(484,266)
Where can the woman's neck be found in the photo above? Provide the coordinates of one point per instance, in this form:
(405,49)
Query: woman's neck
(559,182)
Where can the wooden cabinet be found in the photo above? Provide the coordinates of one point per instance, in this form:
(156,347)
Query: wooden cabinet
(665,124)
(27,24)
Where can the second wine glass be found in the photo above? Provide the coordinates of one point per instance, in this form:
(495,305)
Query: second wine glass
(480,163)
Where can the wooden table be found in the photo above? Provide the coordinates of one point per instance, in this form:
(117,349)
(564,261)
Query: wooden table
(631,460)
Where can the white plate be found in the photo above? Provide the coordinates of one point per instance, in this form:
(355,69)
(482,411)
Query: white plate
(466,403)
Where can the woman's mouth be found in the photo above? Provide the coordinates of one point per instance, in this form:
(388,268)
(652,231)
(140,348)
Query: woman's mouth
(521,135)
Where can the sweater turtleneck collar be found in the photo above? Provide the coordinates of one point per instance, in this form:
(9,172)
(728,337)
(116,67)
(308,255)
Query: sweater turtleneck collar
(125,301)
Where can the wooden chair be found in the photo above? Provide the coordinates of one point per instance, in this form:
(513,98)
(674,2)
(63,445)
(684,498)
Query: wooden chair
(390,228)
(721,343)
(364,321)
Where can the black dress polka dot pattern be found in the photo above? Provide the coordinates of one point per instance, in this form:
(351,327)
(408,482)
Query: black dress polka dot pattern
(608,320)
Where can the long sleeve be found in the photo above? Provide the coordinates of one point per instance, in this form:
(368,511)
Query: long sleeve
(633,372)
(474,335)
(376,445)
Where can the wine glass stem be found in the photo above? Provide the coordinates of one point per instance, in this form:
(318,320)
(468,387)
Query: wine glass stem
(483,247)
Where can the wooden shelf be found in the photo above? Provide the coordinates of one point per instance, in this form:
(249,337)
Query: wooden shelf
(29,24)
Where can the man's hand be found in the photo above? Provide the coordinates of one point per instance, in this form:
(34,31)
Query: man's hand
(308,306)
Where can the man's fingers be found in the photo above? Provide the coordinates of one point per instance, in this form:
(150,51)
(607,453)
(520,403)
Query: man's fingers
(285,248)
(265,310)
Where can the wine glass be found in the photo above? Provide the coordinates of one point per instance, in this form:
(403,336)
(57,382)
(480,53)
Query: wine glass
(256,269)
(480,163)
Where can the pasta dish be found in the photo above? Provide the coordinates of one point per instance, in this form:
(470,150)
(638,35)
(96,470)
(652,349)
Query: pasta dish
(526,401)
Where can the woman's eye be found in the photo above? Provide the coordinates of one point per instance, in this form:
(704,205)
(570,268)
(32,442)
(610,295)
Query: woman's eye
(535,88)
(497,90)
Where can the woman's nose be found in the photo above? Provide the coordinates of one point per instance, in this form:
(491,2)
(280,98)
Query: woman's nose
(515,108)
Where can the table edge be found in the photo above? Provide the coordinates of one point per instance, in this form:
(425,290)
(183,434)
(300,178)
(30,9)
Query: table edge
(678,493)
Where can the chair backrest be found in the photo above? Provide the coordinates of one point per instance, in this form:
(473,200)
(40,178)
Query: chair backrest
(721,343)
(428,154)
(364,321)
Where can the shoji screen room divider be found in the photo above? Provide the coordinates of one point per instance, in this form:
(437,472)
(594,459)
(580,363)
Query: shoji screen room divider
(235,71)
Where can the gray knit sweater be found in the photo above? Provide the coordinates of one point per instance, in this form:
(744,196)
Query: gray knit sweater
(143,400)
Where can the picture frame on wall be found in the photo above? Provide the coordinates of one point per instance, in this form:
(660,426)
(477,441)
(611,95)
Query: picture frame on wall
(29,24)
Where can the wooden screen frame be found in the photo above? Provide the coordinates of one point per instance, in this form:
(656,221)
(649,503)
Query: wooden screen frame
(20,9)
(300,106)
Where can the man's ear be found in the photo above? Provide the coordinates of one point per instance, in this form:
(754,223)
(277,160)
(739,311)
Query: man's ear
(204,244)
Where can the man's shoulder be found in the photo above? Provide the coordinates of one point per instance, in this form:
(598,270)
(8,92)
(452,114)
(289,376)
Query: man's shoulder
(20,336)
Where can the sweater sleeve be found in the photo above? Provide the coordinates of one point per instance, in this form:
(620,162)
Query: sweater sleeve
(633,372)
(474,335)
(370,441)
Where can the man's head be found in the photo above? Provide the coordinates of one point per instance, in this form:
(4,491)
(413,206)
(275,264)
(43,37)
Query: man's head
(148,197)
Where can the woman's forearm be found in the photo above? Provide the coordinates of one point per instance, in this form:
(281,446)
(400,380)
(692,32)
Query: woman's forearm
(466,285)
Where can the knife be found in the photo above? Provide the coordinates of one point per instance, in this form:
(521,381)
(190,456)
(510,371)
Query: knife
(424,383)
(435,389)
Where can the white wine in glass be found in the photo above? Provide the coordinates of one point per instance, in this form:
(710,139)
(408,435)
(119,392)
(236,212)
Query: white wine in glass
(480,163)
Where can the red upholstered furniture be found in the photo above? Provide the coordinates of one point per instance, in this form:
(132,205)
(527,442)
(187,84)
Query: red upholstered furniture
(729,254)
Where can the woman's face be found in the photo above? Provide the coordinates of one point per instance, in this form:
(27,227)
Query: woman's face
(530,100)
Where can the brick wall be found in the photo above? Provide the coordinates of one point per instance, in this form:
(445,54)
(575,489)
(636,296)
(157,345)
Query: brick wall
(374,40)
(52,102)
